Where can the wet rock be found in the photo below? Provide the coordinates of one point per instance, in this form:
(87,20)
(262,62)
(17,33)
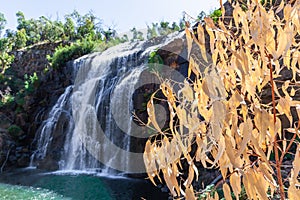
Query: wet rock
(139,100)
(18,149)
(22,137)
(23,160)
(170,53)
(48,88)
(25,150)
(5,122)
(49,164)
(2,130)
(12,158)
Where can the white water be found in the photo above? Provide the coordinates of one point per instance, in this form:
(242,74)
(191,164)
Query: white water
(92,97)
(101,109)
(45,132)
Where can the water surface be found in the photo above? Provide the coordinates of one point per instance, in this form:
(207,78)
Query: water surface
(33,184)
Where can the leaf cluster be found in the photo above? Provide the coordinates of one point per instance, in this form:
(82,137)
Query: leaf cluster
(163,28)
(63,54)
(238,130)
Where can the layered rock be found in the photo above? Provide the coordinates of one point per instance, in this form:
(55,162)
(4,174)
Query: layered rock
(19,123)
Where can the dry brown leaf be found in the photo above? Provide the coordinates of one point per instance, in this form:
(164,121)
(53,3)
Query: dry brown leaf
(287,12)
(238,123)
(262,122)
(284,41)
(187,91)
(193,67)
(201,39)
(149,162)
(211,38)
(259,183)
(267,172)
(231,152)
(235,183)
(221,149)
(190,178)
(259,150)
(227,192)
(280,7)
(189,193)
(296,163)
(169,182)
(189,40)
(246,130)
(283,107)
(293,92)
(293,191)
(248,184)
(151,114)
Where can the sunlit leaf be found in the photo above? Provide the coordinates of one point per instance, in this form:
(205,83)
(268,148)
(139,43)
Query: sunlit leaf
(201,39)
(235,182)
(227,192)
(189,193)
(189,40)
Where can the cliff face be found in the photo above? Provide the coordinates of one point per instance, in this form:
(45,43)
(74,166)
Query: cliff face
(20,119)
(19,122)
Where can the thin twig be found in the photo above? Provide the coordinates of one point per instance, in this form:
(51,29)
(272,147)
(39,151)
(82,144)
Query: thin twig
(290,143)
(278,163)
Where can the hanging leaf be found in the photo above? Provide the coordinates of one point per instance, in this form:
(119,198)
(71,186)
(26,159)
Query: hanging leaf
(187,91)
(189,40)
(246,129)
(235,182)
(190,178)
(293,191)
(283,107)
(284,41)
(189,193)
(201,39)
(151,113)
(226,110)
(227,192)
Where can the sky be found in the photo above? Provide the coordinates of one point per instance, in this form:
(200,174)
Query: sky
(117,14)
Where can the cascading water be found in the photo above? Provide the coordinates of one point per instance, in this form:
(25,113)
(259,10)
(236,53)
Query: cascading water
(92,111)
(45,132)
(99,107)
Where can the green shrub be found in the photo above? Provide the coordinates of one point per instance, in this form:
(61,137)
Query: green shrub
(267,3)
(63,54)
(20,99)
(155,62)
(15,130)
(30,82)
(103,45)
(216,14)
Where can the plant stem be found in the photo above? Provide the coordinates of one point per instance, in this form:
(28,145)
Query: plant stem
(290,143)
(278,161)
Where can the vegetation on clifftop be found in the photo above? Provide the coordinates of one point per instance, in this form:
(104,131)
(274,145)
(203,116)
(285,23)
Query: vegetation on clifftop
(77,35)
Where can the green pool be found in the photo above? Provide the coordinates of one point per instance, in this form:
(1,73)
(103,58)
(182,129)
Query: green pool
(36,185)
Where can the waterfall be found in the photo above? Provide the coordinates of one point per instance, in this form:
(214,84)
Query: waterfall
(99,107)
(91,101)
(44,134)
